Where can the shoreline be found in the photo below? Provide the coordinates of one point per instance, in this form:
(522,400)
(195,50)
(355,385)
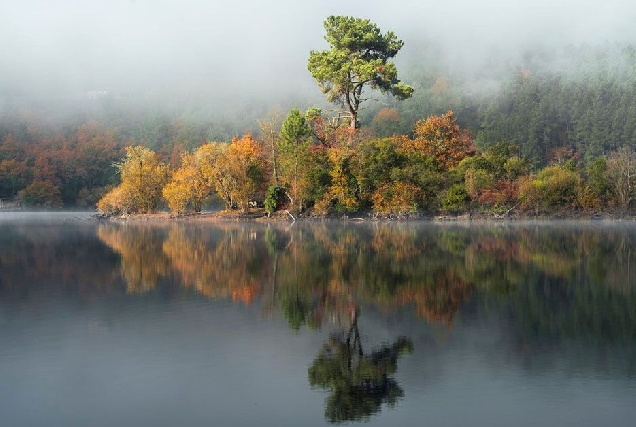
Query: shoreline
(260,216)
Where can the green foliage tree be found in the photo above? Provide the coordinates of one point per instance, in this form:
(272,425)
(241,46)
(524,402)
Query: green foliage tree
(554,188)
(597,191)
(456,199)
(358,57)
(359,384)
(273,198)
(294,158)
(40,194)
(382,183)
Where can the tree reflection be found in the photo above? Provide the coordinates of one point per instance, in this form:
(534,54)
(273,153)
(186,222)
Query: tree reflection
(140,247)
(218,263)
(553,281)
(359,383)
(439,300)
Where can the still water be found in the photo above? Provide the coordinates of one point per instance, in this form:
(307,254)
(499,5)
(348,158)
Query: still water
(188,324)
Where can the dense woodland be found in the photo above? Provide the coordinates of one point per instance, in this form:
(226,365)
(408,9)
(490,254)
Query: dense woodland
(550,132)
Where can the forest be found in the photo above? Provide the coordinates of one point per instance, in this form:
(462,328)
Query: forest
(552,132)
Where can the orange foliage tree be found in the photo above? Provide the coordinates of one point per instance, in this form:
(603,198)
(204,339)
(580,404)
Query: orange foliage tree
(441,137)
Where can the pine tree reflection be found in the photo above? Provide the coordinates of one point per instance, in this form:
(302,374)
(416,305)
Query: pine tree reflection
(359,383)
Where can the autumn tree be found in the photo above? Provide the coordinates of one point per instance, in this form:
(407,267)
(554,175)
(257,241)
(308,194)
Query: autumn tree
(441,137)
(235,171)
(212,161)
(143,177)
(358,58)
(188,188)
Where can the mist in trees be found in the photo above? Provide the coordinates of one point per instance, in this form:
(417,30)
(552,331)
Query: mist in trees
(571,94)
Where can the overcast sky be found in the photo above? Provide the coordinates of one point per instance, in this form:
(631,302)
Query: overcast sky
(243,45)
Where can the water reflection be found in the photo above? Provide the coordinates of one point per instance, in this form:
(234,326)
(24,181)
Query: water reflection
(562,297)
(551,282)
(359,383)
(306,270)
(554,280)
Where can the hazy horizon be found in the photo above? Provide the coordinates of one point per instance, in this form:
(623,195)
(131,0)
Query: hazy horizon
(245,50)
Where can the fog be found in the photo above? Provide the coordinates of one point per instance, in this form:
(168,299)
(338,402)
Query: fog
(224,51)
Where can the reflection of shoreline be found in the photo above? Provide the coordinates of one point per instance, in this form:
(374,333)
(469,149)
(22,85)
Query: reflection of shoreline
(436,269)
(579,278)
(260,216)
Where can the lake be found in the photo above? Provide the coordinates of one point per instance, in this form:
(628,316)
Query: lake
(390,324)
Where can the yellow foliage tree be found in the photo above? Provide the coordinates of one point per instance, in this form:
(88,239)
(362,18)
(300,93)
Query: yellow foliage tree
(143,177)
(396,197)
(188,188)
(235,171)
(212,162)
(342,191)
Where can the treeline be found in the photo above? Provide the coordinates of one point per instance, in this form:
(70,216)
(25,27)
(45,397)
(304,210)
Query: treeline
(582,98)
(52,164)
(52,169)
(569,112)
(314,166)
